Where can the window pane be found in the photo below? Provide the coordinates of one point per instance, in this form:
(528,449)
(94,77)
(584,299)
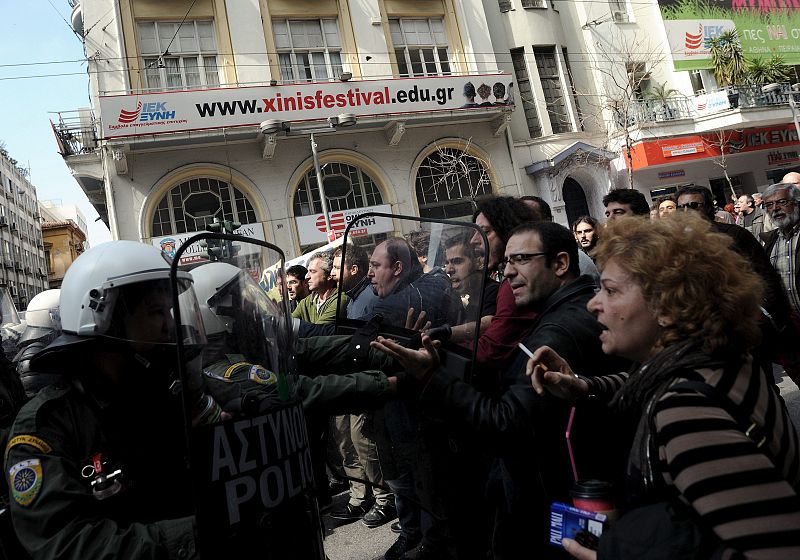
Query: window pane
(402,66)
(331,33)
(416,62)
(304,67)
(397,35)
(186,40)
(192,72)
(285,60)
(165,34)
(205,31)
(151,74)
(211,70)
(147,38)
(444,61)
(174,79)
(314,32)
(430,63)
(336,64)
(320,70)
(281,32)
(299,37)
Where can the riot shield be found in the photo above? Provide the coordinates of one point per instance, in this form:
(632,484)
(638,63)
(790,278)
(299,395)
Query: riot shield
(11,326)
(248,446)
(430,280)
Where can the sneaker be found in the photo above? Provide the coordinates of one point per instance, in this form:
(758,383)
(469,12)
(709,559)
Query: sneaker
(400,547)
(380,514)
(396,528)
(350,512)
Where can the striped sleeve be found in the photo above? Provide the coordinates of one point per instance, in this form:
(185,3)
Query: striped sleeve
(604,387)
(738,489)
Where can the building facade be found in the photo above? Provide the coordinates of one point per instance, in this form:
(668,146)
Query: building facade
(24,269)
(213,116)
(64,232)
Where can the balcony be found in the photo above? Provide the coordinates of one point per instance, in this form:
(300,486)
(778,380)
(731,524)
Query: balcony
(713,109)
(76,132)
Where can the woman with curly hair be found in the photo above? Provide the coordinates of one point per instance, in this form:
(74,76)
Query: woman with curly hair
(714,443)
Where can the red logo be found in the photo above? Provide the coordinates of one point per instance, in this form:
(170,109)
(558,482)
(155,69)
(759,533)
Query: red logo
(694,41)
(130,116)
(337,222)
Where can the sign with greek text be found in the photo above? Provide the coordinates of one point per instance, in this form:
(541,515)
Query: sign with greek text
(180,111)
(764,27)
(169,244)
(247,470)
(312,228)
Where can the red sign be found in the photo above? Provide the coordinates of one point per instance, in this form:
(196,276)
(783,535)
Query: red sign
(688,148)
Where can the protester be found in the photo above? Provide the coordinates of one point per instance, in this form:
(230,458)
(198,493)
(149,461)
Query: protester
(517,426)
(296,285)
(751,217)
(723,444)
(667,206)
(625,202)
(321,306)
(585,230)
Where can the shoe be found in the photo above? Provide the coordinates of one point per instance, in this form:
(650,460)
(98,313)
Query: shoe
(380,514)
(400,547)
(350,512)
(425,552)
(395,527)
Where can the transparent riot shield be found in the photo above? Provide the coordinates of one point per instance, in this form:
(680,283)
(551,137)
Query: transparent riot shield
(11,326)
(428,280)
(434,285)
(248,446)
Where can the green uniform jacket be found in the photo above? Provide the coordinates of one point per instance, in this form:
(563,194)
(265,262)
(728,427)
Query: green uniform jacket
(307,310)
(55,513)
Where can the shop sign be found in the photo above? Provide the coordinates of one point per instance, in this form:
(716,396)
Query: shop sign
(312,228)
(693,145)
(170,244)
(708,103)
(764,28)
(782,158)
(180,111)
(671,174)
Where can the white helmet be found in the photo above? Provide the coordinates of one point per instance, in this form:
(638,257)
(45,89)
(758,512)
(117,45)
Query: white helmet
(42,316)
(104,289)
(209,280)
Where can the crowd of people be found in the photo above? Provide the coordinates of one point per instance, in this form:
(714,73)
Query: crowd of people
(649,340)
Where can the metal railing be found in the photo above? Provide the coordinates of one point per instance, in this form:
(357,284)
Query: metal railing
(76,132)
(649,111)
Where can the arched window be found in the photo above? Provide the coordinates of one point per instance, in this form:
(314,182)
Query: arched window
(193,205)
(448,183)
(346,187)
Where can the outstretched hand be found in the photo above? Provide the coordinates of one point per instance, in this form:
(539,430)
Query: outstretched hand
(420,324)
(418,363)
(549,371)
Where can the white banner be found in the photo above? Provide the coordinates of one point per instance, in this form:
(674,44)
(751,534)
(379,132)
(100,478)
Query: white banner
(178,111)
(689,38)
(708,103)
(312,228)
(171,243)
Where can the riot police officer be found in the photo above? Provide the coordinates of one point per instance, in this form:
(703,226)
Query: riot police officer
(96,463)
(43,325)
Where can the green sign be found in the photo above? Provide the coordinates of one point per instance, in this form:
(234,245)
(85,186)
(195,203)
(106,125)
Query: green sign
(764,27)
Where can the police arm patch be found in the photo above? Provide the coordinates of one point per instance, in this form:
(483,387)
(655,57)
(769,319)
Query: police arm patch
(25,439)
(25,481)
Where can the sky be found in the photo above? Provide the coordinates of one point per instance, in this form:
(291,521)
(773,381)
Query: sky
(35,41)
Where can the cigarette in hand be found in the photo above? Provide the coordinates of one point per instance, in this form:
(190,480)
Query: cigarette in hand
(530,355)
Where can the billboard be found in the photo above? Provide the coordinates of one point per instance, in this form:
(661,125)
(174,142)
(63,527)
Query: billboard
(182,111)
(765,27)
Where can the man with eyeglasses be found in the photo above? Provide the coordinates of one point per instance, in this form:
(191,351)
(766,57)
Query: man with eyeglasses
(782,203)
(524,431)
(775,304)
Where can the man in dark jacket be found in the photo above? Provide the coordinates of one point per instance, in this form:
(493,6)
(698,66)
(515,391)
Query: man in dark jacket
(524,431)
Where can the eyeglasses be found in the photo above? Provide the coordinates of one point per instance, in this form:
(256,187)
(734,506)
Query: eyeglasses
(780,203)
(694,205)
(518,258)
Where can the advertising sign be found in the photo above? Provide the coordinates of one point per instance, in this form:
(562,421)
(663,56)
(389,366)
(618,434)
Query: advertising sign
(312,228)
(169,244)
(687,148)
(709,103)
(765,27)
(180,111)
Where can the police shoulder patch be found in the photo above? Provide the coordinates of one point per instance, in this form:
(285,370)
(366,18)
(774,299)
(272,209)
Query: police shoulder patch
(261,375)
(26,439)
(25,481)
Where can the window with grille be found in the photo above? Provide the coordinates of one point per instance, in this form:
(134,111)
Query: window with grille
(346,187)
(449,182)
(178,56)
(420,46)
(193,205)
(525,93)
(550,77)
(308,49)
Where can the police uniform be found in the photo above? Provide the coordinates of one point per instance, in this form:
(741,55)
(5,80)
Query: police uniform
(90,478)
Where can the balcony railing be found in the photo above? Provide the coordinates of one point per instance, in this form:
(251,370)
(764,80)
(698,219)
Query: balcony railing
(650,111)
(76,132)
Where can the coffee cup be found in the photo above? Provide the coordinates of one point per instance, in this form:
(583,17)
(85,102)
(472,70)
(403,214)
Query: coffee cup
(594,495)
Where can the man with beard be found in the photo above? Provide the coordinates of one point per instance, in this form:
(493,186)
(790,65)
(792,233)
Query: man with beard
(585,230)
(782,203)
(296,285)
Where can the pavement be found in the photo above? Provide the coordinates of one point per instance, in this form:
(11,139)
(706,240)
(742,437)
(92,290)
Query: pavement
(354,541)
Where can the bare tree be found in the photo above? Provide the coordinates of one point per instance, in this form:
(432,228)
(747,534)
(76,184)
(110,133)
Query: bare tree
(722,141)
(623,64)
(453,173)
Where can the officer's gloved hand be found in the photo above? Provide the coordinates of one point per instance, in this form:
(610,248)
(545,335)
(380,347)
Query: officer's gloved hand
(443,332)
